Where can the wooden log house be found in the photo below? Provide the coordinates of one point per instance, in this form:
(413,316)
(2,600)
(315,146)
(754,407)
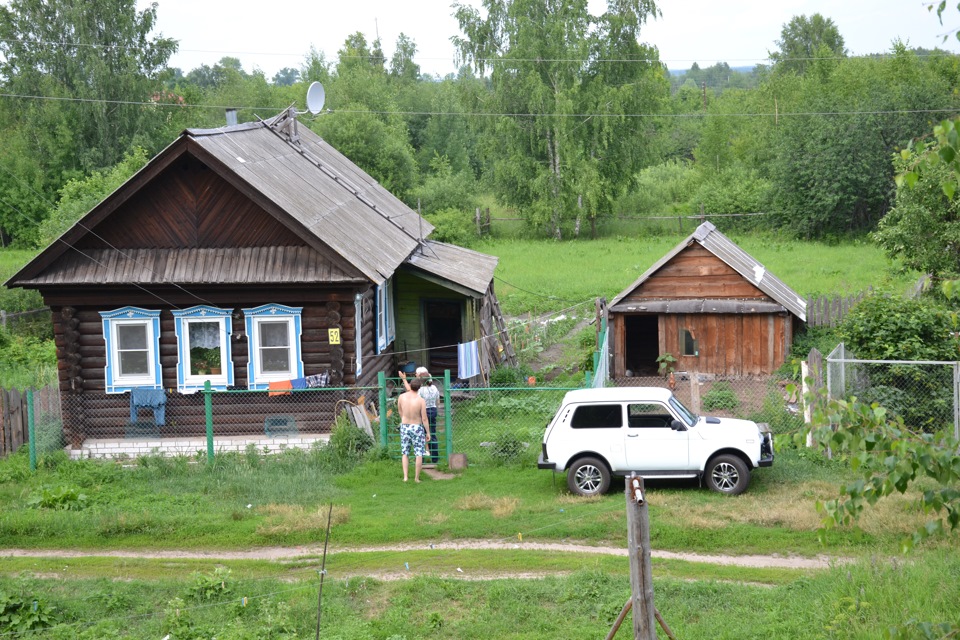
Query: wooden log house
(243,256)
(711,306)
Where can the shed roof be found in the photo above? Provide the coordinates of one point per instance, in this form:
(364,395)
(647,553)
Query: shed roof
(293,174)
(739,260)
(464,267)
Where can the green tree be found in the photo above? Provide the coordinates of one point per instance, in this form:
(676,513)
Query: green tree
(95,65)
(286,77)
(922,230)
(99,56)
(804,39)
(79,196)
(565,81)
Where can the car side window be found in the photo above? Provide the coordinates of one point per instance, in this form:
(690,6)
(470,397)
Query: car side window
(648,416)
(597,416)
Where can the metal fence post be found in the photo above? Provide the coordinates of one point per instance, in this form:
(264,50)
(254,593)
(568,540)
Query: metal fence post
(208,411)
(31,432)
(447,413)
(382,384)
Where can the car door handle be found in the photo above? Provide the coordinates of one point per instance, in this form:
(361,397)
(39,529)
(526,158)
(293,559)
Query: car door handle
(632,435)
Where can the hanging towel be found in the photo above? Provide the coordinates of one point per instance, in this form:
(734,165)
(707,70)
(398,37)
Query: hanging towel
(298,383)
(468,360)
(146,398)
(279,388)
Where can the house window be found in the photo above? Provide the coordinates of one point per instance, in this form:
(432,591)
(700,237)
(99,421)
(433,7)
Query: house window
(203,347)
(132,338)
(358,334)
(386,332)
(274,340)
(688,343)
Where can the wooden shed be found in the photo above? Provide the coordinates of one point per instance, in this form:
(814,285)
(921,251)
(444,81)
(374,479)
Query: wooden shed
(245,256)
(711,306)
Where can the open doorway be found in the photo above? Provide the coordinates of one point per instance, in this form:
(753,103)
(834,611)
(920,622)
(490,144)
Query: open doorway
(443,320)
(641,344)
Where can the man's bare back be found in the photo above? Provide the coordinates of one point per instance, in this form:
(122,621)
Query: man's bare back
(413,410)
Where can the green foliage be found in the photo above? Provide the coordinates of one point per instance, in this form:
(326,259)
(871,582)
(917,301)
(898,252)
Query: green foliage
(563,171)
(210,586)
(506,376)
(454,226)
(60,498)
(445,189)
(803,40)
(923,227)
(21,616)
(507,449)
(666,364)
(661,188)
(888,458)
(347,445)
(80,195)
(720,396)
(886,327)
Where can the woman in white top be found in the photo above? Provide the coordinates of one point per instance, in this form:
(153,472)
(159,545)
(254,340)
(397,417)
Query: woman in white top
(431,395)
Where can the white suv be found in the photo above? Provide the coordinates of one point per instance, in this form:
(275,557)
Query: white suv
(616,430)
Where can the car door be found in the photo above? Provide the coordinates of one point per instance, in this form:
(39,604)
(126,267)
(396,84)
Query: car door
(649,442)
(599,428)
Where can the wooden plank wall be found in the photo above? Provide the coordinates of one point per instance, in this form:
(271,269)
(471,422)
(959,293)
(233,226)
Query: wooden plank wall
(729,344)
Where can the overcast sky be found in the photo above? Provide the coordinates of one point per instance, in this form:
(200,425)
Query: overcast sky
(270,36)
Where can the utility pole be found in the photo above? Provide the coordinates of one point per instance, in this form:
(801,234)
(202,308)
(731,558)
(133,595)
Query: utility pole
(638,548)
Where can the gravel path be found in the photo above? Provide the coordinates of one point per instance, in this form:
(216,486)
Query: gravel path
(292,553)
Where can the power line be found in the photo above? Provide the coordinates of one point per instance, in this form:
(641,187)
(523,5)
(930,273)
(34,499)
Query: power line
(769,114)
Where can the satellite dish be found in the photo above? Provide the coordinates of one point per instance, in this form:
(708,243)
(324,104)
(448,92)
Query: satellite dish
(315,98)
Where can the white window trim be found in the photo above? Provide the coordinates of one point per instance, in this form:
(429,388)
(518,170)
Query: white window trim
(114,381)
(357,333)
(256,379)
(386,330)
(187,382)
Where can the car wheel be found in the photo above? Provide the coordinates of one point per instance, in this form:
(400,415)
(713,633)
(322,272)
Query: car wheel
(588,477)
(727,474)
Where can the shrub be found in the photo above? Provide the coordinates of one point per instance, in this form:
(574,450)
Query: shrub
(720,396)
(508,448)
(510,376)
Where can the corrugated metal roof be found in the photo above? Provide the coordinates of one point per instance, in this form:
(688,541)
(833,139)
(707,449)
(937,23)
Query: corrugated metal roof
(249,265)
(321,189)
(739,260)
(464,267)
(699,306)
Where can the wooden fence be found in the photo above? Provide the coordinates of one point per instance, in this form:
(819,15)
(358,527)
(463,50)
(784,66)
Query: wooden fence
(14,428)
(829,312)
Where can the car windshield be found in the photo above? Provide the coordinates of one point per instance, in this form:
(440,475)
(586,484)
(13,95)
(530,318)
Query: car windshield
(688,416)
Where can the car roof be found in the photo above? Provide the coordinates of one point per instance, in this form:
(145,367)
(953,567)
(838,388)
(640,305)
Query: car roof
(618,394)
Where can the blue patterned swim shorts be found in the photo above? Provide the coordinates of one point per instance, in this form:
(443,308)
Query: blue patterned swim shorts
(413,434)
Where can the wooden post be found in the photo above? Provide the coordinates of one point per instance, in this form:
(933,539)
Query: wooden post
(476,218)
(695,392)
(638,549)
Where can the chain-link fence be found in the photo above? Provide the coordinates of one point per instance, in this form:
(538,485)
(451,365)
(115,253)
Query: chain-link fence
(493,425)
(30,415)
(923,393)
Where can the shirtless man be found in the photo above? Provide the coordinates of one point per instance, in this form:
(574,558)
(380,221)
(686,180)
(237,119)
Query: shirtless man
(413,429)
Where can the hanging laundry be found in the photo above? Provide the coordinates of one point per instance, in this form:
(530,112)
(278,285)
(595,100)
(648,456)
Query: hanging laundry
(145,398)
(279,388)
(468,360)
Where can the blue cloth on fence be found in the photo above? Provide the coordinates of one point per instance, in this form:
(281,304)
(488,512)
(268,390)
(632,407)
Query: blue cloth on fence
(146,398)
(298,383)
(468,360)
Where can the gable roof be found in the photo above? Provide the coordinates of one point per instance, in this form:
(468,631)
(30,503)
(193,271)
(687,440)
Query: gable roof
(299,179)
(739,260)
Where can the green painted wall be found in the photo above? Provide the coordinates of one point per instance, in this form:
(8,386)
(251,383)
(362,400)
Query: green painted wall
(408,294)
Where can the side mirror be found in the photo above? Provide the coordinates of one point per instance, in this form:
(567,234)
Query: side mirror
(676,425)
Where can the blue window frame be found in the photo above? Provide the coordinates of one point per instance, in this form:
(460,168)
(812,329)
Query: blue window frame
(203,347)
(273,332)
(132,338)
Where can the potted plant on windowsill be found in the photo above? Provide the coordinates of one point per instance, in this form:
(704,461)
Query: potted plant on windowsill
(213,361)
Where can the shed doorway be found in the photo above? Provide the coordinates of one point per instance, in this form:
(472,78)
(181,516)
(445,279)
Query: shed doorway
(641,344)
(443,320)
